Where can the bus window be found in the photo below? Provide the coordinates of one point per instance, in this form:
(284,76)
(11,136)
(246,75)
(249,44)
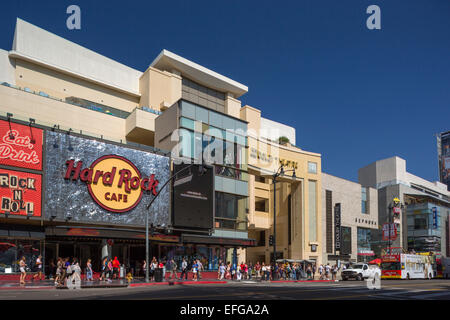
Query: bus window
(390,266)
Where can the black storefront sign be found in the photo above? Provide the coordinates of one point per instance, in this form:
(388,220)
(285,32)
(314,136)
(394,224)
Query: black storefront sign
(337,226)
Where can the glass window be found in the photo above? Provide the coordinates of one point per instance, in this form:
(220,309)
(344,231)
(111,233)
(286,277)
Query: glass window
(11,251)
(187,123)
(201,114)
(231,211)
(216,119)
(187,109)
(363,200)
(364,238)
(312,167)
(346,240)
(187,143)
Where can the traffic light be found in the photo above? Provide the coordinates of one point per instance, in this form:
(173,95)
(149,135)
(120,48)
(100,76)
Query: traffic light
(270,240)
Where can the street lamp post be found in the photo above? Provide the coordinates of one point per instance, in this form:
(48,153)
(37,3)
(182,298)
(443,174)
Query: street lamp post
(278,173)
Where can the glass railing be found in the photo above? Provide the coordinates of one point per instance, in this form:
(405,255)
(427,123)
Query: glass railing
(148,109)
(75,101)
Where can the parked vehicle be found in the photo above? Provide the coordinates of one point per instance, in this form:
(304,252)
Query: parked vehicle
(361,271)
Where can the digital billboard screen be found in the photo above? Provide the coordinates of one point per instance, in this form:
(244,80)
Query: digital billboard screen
(193,197)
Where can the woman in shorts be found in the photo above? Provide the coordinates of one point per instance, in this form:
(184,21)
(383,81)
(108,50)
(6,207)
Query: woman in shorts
(23,273)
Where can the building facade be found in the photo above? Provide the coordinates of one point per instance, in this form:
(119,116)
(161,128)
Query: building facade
(358,220)
(94,112)
(296,199)
(422,224)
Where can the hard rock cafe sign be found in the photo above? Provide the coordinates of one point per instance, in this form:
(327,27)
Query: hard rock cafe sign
(113,182)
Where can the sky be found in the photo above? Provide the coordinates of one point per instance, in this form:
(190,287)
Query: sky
(353,95)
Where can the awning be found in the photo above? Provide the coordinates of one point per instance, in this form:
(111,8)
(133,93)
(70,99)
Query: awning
(108,234)
(218,241)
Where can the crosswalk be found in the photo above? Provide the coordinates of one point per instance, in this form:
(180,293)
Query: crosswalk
(396,293)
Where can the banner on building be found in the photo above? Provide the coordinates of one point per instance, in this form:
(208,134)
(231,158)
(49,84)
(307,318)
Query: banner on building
(20,193)
(20,145)
(337,226)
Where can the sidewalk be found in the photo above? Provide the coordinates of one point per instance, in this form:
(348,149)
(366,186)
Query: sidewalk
(136,282)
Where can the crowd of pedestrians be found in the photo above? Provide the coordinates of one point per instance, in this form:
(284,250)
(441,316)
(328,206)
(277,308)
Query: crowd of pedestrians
(69,271)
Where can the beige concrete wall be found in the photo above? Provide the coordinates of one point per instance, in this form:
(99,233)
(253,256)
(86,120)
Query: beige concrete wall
(59,85)
(253,117)
(158,88)
(232,106)
(50,112)
(165,124)
(7,68)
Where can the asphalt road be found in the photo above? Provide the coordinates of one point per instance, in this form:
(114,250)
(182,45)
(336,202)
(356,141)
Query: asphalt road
(249,291)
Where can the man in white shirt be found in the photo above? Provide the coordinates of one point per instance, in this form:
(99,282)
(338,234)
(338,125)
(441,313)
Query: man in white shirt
(39,268)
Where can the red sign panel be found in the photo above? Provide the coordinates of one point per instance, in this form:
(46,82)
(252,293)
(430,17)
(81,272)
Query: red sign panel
(20,146)
(20,193)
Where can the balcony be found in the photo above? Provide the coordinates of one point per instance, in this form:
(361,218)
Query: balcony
(261,220)
(140,126)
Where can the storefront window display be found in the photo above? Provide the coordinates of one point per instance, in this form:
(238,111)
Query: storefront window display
(11,251)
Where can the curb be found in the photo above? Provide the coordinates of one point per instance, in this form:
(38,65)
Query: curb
(27,288)
(173,283)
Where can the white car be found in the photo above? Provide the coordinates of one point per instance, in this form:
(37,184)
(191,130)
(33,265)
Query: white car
(361,271)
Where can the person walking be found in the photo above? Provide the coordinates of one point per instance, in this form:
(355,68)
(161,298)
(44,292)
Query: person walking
(76,273)
(309,272)
(104,266)
(218,269)
(200,269)
(250,271)
(173,269)
(38,267)
(222,269)
(23,271)
(116,268)
(228,271)
(258,270)
(110,270)
(263,270)
(321,272)
(89,270)
(183,269)
(194,271)
(58,270)
(334,270)
(327,271)
(314,269)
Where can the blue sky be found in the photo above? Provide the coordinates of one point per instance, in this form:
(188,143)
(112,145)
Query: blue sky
(354,95)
